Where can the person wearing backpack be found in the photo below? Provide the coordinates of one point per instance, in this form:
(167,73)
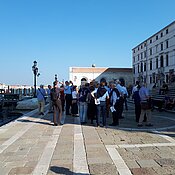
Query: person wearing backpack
(55,97)
(82,98)
(114,101)
(102,95)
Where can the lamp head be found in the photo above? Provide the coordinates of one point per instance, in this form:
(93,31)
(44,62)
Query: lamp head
(35,63)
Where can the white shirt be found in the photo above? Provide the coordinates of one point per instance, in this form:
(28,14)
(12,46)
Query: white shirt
(103,98)
(74,95)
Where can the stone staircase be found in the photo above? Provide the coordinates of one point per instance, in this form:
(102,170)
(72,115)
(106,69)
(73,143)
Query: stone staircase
(158,99)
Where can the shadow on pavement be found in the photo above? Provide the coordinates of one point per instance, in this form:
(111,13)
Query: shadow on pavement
(62,170)
(29,121)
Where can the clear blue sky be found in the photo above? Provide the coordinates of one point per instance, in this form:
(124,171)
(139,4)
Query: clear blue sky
(63,33)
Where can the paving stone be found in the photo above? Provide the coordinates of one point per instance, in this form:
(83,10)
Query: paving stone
(132,164)
(21,171)
(99,160)
(103,169)
(147,163)
(165,170)
(31,164)
(166,162)
(143,171)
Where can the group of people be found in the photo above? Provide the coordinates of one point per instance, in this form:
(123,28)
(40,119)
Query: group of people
(92,101)
(97,100)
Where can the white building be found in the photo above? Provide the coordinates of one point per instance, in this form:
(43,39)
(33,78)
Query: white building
(76,74)
(154,58)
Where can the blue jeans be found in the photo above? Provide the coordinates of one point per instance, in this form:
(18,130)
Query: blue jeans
(101,112)
(83,111)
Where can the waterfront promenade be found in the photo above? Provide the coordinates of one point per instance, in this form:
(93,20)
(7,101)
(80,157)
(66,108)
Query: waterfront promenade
(32,145)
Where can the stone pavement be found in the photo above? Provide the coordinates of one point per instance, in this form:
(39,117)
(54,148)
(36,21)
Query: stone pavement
(32,145)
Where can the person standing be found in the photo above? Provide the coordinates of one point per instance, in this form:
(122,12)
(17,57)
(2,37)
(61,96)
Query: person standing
(62,96)
(55,97)
(114,101)
(121,99)
(74,109)
(91,111)
(102,95)
(145,106)
(49,98)
(68,97)
(136,98)
(82,98)
(41,93)
(125,95)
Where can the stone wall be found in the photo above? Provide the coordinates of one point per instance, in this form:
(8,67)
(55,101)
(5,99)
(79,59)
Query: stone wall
(109,74)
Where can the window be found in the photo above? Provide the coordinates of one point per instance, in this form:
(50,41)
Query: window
(141,67)
(138,57)
(161,61)
(145,54)
(145,66)
(150,51)
(138,48)
(166,31)
(167,60)
(134,51)
(150,79)
(157,63)
(161,46)
(141,55)
(138,68)
(134,69)
(145,44)
(167,44)
(150,41)
(157,37)
(161,34)
(141,46)
(151,65)
(133,59)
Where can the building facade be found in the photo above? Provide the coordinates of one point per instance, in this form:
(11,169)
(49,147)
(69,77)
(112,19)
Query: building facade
(154,59)
(76,74)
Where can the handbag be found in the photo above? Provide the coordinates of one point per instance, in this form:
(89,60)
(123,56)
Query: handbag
(145,105)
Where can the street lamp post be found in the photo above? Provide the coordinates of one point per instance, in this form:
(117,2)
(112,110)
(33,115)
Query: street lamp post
(35,72)
(56,79)
(93,66)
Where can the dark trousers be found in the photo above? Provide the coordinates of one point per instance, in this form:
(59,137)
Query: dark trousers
(137,111)
(120,106)
(101,112)
(115,115)
(68,99)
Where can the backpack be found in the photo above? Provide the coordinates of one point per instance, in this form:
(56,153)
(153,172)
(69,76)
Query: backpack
(101,91)
(116,91)
(83,94)
(53,95)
